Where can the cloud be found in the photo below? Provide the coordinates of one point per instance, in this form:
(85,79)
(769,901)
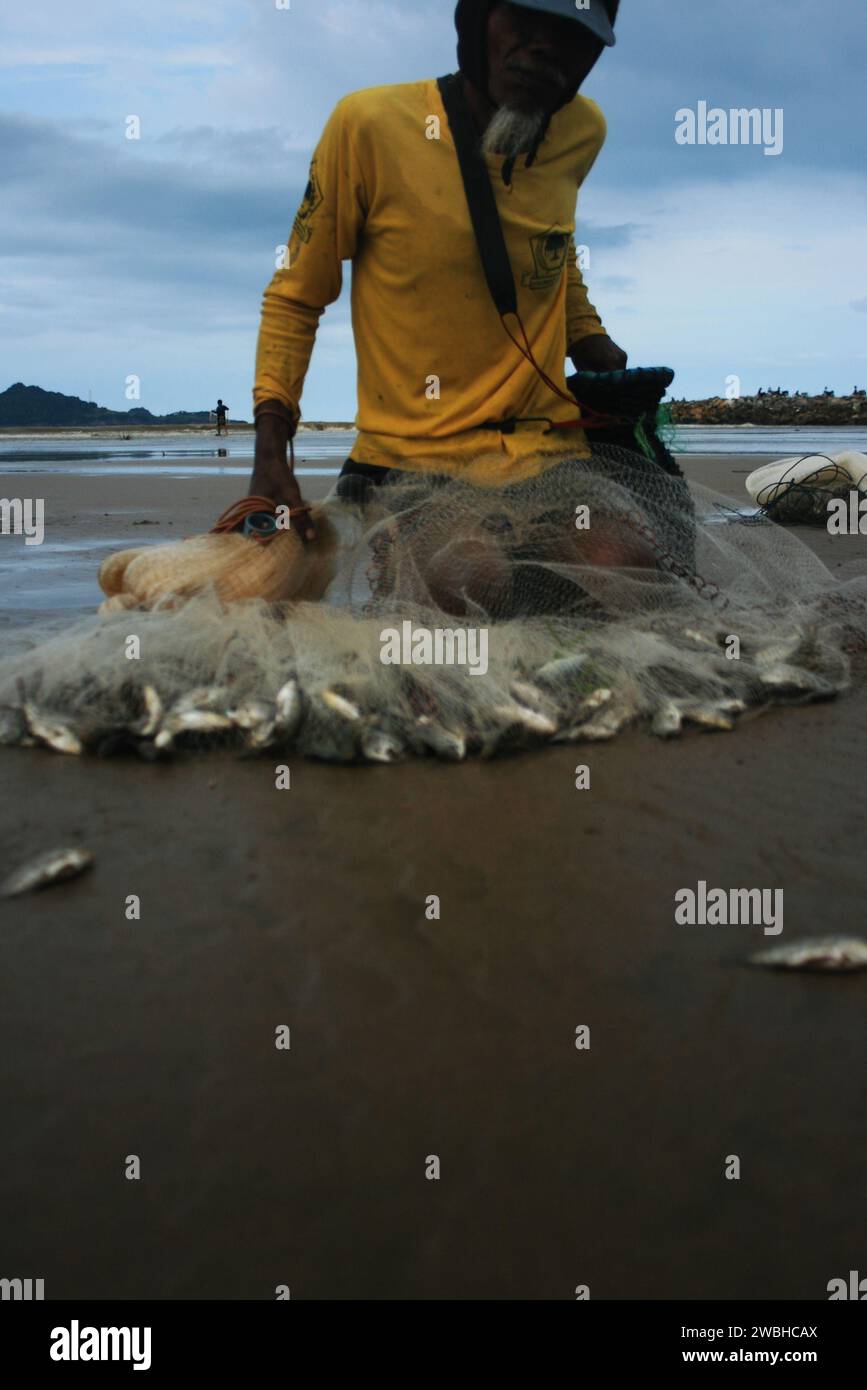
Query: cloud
(606,238)
(151,256)
(617,282)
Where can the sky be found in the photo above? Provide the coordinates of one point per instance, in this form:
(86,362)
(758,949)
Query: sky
(148,257)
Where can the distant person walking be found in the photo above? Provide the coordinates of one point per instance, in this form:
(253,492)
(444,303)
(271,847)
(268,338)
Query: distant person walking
(222,413)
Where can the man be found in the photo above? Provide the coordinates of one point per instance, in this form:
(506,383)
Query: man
(222,412)
(436,369)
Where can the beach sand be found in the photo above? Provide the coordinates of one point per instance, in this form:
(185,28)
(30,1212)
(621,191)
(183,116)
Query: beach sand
(411,1038)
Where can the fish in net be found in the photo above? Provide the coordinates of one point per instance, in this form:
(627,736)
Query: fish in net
(438,618)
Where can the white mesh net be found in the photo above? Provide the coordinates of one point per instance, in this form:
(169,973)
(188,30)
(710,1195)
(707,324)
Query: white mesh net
(466,620)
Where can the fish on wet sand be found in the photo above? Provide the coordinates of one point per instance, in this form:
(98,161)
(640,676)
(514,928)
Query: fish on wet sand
(701,639)
(712,714)
(332,728)
(251,714)
(257,721)
(153,712)
(583,714)
(383,745)
(532,697)
(532,721)
(608,723)
(202,723)
(340,705)
(667,721)
(204,697)
(778,653)
(289,701)
(563,672)
(782,680)
(52,866)
(830,953)
(430,737)
(52,730)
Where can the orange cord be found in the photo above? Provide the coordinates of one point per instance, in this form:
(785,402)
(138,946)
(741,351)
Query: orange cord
(235,515)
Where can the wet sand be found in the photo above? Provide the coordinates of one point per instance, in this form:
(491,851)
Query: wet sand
(412,1038)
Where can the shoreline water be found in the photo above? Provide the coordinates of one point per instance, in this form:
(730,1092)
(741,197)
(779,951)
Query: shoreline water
(337,441)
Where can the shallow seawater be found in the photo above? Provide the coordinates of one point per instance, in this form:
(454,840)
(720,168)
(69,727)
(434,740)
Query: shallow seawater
(164,456)
(52,577)
(76,468)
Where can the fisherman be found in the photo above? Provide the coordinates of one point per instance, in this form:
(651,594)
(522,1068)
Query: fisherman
(441,388)
(221,413)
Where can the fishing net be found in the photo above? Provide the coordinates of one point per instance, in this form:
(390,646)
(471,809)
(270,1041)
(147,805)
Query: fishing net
(797,491)
(459,619)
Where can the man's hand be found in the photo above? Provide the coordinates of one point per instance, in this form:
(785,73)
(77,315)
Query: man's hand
(272,476)
(598,353)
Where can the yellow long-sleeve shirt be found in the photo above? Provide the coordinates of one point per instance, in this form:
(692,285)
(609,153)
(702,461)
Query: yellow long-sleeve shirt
(434,361)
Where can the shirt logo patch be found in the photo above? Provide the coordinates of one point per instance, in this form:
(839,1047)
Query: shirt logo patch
(549,257)
(309,203)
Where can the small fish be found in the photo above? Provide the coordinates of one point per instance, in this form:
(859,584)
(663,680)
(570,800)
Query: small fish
(153,712)
(732,705)
(329,733)
(783,679)
(53,866)
(592,703)
(250,714)
(340,706)
(257,719)
(444,743)
(667,721)
(711,716)
(833,953)
(290,707)
(263,735)
(565,671)
(700,639)
(779,652)
(201,721)
(380,746)
(607,724)
(530,695)
(193,721)
(530,719)
(578,718)
(205,697)
(52,731)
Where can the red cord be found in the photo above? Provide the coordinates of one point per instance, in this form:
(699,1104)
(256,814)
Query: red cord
(591,419)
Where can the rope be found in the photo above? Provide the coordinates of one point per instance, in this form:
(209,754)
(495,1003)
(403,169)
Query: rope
(590,419)
(235,515)
(805,500)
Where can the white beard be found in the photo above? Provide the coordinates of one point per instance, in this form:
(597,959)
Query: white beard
(512,132)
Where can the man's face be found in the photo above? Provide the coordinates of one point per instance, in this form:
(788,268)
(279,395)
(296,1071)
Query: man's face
(534,58)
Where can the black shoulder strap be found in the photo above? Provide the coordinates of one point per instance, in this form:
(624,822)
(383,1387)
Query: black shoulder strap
(480,195)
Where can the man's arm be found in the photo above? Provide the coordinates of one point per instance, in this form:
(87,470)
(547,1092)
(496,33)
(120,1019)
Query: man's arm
(325,234)
(588,344)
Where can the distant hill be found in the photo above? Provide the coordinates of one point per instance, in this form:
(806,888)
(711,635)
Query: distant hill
(29,405)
